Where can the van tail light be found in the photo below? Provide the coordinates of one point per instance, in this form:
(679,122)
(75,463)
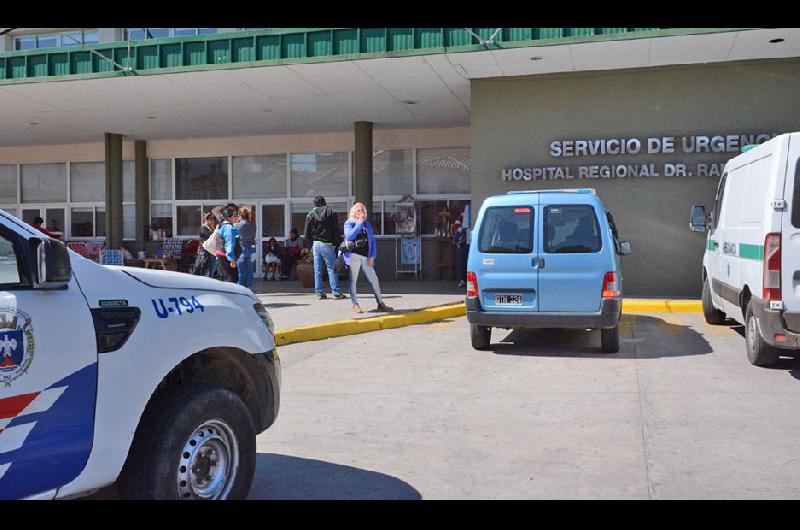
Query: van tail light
(772,268)
(472,285)
(610,289)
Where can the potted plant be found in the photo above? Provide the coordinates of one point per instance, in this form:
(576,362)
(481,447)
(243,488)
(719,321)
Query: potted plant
(305,268)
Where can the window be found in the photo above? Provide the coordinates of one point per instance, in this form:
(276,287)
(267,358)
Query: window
(393,172)
(300,212)
(443,170)
(796,196)
(201,178)
(100,221)
(157,33)
(9,267)
(181,32)
(128,221)
(128,181)
(44,182)
(25,43)
(160,180)
(161,221)
(259,177)
(87,181)
(431,220)
(90,37)
(507,230)
(389,223)
(71,39)
(571,229)
(376,217)
(326,174)
(8,183)
(189,220)
(272,221)
(717,213)
(82,222)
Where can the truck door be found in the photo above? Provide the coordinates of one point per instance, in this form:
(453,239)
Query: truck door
(48,374)
(714,244)
(790,237)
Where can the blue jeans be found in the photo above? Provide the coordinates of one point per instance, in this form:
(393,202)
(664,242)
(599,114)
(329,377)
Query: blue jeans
(212,266)
(321,252)
(245,266)
(357,264)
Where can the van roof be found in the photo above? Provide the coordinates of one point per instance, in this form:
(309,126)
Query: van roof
(566,190)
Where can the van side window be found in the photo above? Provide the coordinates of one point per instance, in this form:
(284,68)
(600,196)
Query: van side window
(571,229)
(718,205)
(507,230)
(9,264)
(796,196)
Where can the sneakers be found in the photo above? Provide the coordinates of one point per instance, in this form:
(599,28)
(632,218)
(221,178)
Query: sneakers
(322,296)
(384,308)
(357,309)
(339,296)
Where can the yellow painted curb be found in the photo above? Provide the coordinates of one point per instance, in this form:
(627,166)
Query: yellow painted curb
(341,328)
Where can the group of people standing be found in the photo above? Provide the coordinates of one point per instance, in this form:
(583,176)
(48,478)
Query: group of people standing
(227,249)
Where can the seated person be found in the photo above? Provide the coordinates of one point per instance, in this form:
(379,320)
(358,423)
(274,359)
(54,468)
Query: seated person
(293,248)
(272,260)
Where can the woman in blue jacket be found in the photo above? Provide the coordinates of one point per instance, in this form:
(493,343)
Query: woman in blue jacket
(360,254)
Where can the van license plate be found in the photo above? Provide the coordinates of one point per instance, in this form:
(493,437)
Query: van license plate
(508,299)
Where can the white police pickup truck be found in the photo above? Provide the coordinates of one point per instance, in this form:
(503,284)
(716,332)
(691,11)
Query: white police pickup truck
(156,381)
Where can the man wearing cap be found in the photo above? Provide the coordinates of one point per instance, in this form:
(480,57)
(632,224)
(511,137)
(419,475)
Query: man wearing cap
(322,227)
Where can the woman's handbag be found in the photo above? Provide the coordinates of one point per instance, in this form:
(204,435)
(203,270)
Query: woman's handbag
(339,265)
(213,243)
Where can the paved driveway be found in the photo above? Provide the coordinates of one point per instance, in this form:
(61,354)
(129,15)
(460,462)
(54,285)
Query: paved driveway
(417,413)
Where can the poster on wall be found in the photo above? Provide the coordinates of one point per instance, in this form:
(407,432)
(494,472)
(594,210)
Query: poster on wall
(410,254)
(406,217)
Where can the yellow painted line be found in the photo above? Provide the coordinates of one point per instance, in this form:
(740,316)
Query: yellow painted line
(342,328)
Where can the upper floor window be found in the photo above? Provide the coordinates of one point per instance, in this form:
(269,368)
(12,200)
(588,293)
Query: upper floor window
(158,33)
(56,40)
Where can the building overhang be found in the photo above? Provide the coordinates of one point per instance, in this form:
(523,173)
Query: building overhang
(394,90)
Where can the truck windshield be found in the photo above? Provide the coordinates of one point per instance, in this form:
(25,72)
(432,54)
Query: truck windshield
(571,229)
(507,230)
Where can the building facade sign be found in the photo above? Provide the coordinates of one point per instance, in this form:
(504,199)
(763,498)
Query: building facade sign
(622,147)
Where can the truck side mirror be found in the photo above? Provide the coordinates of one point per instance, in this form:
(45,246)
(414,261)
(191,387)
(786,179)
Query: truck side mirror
(624,248)
(52,269)
(698,220)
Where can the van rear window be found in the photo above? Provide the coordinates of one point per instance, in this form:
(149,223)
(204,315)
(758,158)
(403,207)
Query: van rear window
(571,229)
(796,196)
(507,230)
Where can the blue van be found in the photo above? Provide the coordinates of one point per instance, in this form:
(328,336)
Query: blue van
(545,259)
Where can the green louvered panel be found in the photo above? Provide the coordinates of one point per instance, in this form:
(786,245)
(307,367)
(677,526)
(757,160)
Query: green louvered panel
(244,50)
(644,29)
(194,53)
(16,67)
(147,57)
(429,38)
(457,37)
(320,44)
(2,68)
(516,34)
(609,31)
(37,66)
(579,32)
(268,47)
(548,33)
(59,64)
(102,65)
(345,41)
(121,57)
(219,51)
(80,63)
(401,39)
(373,40)
(171,55)
(293,46)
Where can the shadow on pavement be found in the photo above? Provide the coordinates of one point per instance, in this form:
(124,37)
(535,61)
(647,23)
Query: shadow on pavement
(279,305)
(291,477)
(641,336)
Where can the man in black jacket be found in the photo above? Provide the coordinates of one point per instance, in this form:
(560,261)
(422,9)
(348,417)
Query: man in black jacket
(322,228)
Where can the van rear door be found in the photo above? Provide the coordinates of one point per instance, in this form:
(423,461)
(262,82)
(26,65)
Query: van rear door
(577,252)
(504,263)
(790,236)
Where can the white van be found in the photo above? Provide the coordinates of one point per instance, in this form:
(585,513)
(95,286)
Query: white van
(751,266)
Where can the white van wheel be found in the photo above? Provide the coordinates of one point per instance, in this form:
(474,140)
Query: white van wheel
(712,314)
(480,335)
(759,352)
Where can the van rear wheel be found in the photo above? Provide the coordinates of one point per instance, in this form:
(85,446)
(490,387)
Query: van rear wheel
(609,340)
(480,335)
(759,353)
(711,314)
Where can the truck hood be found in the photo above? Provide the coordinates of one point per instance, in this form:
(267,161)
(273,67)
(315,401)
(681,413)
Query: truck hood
(179,280)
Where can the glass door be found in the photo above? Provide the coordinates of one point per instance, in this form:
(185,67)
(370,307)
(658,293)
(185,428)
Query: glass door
(270,218)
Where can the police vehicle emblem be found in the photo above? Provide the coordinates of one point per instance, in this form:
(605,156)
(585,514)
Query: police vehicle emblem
(16,344)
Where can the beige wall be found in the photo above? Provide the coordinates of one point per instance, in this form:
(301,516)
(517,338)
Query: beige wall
(241,145)
(514,121)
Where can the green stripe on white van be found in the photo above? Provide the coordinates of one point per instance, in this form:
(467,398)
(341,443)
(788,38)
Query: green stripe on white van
(755,252)
(711,245)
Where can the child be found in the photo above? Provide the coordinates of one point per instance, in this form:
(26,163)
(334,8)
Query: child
(272,262)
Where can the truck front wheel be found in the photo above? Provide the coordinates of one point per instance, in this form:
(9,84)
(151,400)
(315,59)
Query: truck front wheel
(200,445)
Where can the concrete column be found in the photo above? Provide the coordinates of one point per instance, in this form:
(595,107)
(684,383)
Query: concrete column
(362,164)
(113,190)
(142,187)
